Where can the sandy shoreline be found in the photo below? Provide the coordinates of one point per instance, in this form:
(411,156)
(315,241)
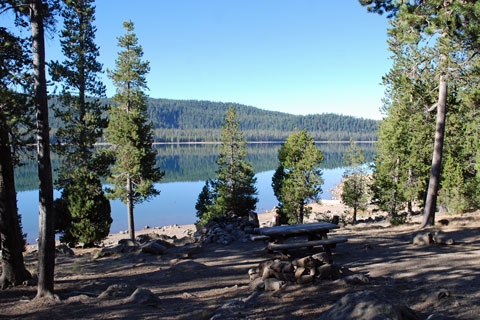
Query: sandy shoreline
(326,207)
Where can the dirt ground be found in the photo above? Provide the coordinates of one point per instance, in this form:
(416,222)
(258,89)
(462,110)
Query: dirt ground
(440,279)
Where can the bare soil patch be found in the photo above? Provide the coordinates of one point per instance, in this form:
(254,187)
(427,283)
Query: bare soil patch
(440,279)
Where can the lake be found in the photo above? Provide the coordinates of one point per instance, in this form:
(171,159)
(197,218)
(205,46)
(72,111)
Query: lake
(186,168)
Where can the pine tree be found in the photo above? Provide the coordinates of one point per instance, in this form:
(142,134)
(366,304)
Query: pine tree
(16,122)
(298,178)
(83,202)
(234,186)
(446,35)
(354,192)
(129,131)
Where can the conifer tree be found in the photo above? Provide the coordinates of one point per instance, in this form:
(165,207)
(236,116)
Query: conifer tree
(354,192)
(298,178)
(205,199)
(234,187)
(129,131)
(447,34)
(83,208)
(16,122)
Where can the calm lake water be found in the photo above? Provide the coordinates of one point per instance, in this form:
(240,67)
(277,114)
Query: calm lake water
(186,167)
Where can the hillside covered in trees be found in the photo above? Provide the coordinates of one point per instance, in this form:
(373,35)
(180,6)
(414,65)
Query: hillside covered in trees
(198,121)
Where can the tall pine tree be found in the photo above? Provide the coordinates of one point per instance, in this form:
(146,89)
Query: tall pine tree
(129,130)
(234,187)
(447,35)
(83,211)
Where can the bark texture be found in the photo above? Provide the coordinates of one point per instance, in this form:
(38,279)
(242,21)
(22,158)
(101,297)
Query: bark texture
(11,238)
(46,232)
(434,182)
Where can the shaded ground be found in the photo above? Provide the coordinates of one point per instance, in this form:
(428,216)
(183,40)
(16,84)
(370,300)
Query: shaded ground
(194,288)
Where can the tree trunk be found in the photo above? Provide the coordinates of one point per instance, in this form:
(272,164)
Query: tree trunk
(11,238)
(433,185)
(46,232)
(393,210)
(354,215)
(131,223)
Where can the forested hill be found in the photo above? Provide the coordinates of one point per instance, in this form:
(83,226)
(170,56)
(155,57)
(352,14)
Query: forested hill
(192,120)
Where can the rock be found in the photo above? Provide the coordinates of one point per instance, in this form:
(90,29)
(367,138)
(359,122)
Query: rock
(367,306)
(320,258)
(273,284)
(305,279)
(189,266)
(267,273)
(423,239)
(105,252)
(299,272)
(117,291)
(284,276)
(441,238)
(253,273)
(253,220)
(154,247)
(444,222)
(143,296)
(355,279)
(63,249)
(128,242)
(305,262)
(328,272)
(256,284)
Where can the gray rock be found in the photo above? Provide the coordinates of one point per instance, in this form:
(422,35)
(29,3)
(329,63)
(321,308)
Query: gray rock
(154,247)
(128,242)
(256,284)
(273,284)
(63,249)
(441,238)
(367,306)
(355,279)
(423,239)
(143,296)
(117,291)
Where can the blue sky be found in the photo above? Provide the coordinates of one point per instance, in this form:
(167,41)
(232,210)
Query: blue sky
(296,56)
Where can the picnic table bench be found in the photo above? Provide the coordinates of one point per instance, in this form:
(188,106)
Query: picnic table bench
(315,234)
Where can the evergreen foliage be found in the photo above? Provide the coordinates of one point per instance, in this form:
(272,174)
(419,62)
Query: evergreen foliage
(234,187)
(205,199)
(130,133)
(15,117)
(83,211)
(435,46)
(177,121)
(354,192)
(83,125)
(298,178)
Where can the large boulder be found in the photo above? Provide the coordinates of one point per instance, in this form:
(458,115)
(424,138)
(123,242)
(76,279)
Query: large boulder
(367,305)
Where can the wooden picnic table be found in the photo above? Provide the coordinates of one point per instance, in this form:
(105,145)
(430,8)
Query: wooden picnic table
(315,234)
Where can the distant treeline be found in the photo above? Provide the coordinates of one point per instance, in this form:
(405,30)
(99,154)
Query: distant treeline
(198,162)
(200,121)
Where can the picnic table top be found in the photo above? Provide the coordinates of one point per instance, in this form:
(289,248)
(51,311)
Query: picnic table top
(296,229)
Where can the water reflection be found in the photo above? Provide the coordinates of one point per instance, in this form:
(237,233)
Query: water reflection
(186,167)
